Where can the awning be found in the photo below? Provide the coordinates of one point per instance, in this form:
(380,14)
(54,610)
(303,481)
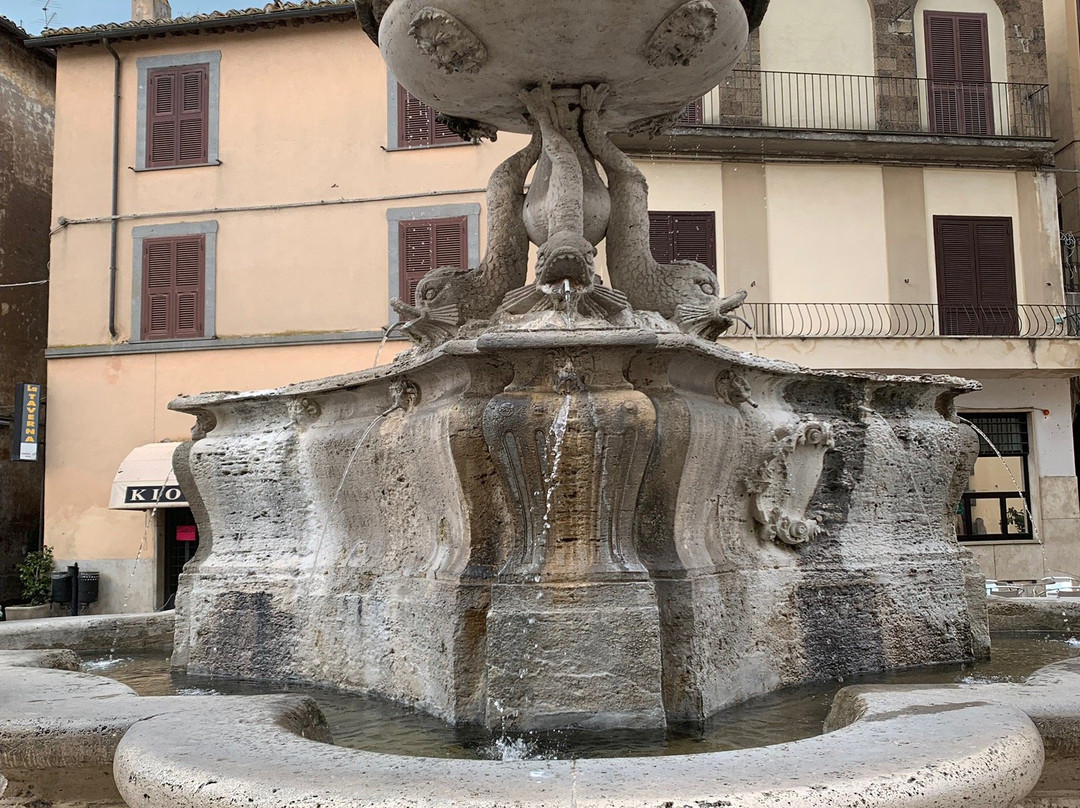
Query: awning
(145,480)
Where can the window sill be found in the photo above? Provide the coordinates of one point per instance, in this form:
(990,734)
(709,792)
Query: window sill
(175,168)
(432,146)
(999,542)
(195,341)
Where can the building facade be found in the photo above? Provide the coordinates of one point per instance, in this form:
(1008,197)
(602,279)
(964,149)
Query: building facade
(273,188)
(27,82)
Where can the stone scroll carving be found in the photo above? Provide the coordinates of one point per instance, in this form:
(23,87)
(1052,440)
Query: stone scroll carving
(683,35)
(448,41)
(781,494)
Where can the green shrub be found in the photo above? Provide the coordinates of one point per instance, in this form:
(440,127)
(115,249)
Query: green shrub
(35,575)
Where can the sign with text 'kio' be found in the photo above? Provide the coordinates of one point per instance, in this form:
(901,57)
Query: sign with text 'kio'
(27,434)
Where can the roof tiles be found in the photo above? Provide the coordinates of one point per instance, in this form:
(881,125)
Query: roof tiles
(264,15)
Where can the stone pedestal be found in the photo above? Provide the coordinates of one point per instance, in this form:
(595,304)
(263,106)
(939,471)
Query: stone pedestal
(601,527)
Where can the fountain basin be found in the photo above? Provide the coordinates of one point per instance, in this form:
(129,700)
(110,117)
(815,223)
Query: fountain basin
(597,528)
(487,52)
(961,745)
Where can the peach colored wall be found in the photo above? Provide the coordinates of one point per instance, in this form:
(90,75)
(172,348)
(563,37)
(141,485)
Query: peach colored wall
(325,140)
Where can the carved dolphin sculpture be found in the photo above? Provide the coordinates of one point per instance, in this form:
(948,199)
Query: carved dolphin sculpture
(685,292)
(449,297)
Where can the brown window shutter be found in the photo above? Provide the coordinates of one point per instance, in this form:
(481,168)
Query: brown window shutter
(174,287)
(428,244)
(161,119)
(157,288)
(683,236)
(417,252)
(693,114)
(662,237)
(190,287)
(958,71)
(976,276)
(973,68)
(417,124)
(451,243)
(997,276)
(178,116)
(194,114)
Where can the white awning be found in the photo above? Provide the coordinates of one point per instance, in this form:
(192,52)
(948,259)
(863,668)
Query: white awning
(145,480)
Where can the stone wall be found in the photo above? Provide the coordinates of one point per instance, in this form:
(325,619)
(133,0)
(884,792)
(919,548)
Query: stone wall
(27,104)
(595,528)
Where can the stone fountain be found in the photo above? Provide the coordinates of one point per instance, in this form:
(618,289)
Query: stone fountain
(568,504)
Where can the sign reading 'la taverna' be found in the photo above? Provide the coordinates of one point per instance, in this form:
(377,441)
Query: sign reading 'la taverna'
(27,434)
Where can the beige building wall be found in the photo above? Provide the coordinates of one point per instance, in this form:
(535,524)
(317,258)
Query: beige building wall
(818,36)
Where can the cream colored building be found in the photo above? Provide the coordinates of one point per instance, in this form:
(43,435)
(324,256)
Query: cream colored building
(299,180)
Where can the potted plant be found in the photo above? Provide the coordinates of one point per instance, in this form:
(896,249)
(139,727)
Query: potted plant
(35,575)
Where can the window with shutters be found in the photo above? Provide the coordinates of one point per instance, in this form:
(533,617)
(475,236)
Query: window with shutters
(178,111)
(687,236)
(174,288)
(976,276)
(177,118)
(173,281)
(428,244)
(996,505)
(693,114)
(958,72)
(418,125)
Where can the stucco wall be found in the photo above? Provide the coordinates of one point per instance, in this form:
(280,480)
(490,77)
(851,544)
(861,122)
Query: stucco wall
(26,131)
(324,143)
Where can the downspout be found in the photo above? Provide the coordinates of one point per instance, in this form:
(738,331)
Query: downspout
(114,221)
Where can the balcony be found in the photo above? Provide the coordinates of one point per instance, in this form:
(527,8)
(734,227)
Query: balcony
(758,113)
(891,105)
(914,338)
(907,320)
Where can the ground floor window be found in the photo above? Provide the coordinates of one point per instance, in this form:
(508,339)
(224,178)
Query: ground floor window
(997,501)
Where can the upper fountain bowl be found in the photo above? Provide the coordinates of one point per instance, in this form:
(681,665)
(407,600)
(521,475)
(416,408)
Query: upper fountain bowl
(471,58)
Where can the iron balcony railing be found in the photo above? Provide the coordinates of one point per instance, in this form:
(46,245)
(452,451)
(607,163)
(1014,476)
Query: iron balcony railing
(885,320)
(835,102)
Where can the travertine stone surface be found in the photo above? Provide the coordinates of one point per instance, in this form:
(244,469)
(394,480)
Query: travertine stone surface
(470,59)
(119,632)
(63,734)
(597,526)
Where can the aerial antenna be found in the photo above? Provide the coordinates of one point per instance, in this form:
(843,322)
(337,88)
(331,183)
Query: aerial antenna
(47,13)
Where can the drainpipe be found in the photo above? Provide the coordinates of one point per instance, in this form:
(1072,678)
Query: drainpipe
(113,218)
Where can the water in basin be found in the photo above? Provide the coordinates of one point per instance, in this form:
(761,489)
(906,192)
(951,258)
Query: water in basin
(788,715)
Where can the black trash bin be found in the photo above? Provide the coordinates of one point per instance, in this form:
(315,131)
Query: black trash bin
(88,587)
(61,587)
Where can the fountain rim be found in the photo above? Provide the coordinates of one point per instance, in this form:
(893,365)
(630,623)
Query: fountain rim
(370,18)
(556,340)
(511,341)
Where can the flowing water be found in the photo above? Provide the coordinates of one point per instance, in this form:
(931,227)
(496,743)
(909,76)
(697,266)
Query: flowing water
(789,715)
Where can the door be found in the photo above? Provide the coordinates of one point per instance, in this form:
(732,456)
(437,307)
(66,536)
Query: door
(958,70)
(180,541)
(976,274)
